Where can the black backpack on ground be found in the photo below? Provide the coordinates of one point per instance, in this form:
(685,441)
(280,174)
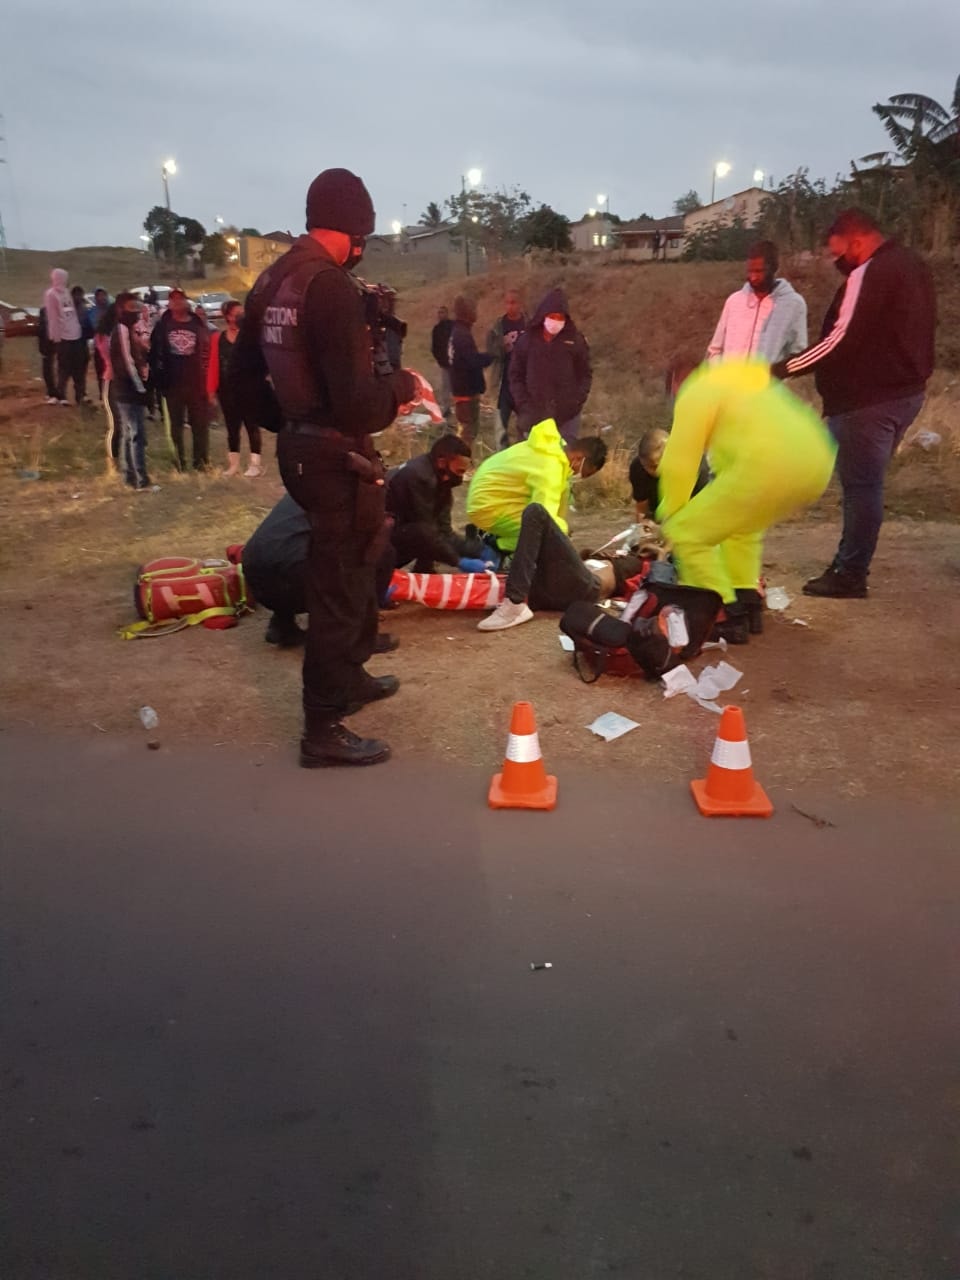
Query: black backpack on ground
(605,645)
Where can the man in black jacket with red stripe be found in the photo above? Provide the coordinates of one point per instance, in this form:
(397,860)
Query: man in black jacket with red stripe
(872,364)
(306,328)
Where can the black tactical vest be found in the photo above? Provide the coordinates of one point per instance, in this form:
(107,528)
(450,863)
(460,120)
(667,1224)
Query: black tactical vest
(299,387)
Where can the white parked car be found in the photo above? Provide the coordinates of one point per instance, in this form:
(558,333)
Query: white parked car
(212,304)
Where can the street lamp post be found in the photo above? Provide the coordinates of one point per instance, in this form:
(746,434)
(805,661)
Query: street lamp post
(603,205)
(720,170)
(474,177)
(168,169)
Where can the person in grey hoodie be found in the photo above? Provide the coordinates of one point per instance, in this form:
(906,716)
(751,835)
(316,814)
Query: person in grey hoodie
(64,333)
(766,318)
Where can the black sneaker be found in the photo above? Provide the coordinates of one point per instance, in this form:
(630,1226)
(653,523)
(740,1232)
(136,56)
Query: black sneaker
(837,584)
(335,745)
(284,632)
(385,643)
(372,689)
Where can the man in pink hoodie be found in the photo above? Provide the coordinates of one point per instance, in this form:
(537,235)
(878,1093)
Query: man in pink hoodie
(64,333)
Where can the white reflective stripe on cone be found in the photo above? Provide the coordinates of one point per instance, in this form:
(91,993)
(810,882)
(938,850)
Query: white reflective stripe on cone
(731,755)
(523,748)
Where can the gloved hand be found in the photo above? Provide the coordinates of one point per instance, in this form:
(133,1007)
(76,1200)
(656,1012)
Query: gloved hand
(490,557)
(468,564)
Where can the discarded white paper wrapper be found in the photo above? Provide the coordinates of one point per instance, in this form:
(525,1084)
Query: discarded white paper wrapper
(566,644)
(611,725)
(712,681)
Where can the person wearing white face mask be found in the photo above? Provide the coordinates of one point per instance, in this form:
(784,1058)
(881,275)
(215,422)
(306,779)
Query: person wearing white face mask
(550,372)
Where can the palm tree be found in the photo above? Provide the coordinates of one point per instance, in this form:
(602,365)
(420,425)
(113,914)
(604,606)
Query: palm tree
(432,216)
(910,118)
(920,177)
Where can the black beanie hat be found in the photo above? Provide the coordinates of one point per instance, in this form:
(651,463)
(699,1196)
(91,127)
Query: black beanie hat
(338,201)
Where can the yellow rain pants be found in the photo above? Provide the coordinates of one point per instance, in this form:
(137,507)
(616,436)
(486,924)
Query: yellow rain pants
(770,455)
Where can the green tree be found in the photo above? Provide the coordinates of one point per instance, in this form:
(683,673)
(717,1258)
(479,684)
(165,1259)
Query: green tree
(688,202)
(719,242)
(214,251)
(544,228)
(493,218)
(161,226)
(192,232)
(249,231)
(916,188)
(432,217)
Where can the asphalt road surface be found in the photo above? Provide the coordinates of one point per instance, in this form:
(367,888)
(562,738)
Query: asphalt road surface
(264,1023)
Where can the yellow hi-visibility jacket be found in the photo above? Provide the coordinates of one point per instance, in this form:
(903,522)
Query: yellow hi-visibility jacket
(535,470)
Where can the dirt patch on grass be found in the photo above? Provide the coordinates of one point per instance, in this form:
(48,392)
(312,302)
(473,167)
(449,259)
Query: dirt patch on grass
(864,699)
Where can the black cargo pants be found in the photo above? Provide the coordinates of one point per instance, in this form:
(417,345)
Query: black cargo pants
(347,518)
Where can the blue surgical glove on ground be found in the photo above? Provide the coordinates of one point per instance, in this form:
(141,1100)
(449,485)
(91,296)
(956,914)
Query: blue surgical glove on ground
(469,565)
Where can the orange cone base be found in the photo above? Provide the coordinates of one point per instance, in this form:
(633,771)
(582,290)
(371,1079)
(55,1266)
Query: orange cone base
(756,805)
(546,798)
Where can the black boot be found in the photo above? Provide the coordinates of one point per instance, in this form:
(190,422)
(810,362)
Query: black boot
(753,602)
(735,627)
(837,584)
(371,689)
(328,744)
(282,630)
(385,643)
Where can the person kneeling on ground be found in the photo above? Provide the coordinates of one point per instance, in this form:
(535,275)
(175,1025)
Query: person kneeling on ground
(275,569)
(644,471)
(540,470)
(420,499)
(547,572)
(770,455)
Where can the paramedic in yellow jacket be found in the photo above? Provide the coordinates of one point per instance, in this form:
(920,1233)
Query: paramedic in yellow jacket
(538,469)
(770,455)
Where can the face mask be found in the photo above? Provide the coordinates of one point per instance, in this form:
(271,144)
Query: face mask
(357,246)
(449,478)
(844,265)
(553,326)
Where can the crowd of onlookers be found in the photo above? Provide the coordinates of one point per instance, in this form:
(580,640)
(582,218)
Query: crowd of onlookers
(147,360)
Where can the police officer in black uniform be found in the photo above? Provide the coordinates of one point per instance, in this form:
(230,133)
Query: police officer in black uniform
(305,327)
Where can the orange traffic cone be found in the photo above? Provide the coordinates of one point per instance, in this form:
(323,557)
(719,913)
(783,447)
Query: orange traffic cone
(730,787)
(524,783)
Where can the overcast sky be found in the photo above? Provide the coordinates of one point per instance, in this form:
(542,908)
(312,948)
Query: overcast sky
(567,99)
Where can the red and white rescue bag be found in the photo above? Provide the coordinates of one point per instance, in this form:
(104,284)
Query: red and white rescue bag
(178,591)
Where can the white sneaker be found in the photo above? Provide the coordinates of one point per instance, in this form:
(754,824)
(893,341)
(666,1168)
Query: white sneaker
(506,614)
(51,400)
(253,471)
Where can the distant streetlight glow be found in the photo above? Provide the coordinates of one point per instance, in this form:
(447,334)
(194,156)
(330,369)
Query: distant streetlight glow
(592,213)
(474,177)
(397,226)
(758,177)
(720,170)
(601,200)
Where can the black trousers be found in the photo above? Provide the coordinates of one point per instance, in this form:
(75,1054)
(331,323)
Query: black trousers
(99,369)
(546,570)
(507,410)
(347,527)
(191,406)
(283,592)
(49,364)
(72,358)
(235,417)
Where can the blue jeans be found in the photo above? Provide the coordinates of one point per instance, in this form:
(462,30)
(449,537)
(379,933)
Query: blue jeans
(133,442)
(866,440)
